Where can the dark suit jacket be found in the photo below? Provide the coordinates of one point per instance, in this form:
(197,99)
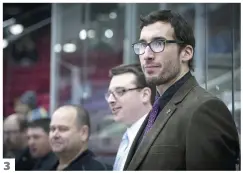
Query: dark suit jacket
(194,131)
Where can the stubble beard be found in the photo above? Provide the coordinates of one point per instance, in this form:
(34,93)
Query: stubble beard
(164,77)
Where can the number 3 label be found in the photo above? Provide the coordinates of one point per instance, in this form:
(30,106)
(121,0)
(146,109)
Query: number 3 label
(7,165)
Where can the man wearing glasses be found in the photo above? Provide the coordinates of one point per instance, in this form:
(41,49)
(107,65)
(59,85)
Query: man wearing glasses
(130,99)
(187,128)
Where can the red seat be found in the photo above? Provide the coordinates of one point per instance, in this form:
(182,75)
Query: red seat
(17,79)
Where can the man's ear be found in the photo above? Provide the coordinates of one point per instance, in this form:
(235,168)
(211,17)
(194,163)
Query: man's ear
(187,53)
(146,95)
(84,132)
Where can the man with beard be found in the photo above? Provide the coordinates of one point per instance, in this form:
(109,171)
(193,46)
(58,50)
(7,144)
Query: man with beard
(187,128)
(69,134)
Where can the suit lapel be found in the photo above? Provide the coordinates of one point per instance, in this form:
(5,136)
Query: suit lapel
(134,144)
(158,126)
(148,140)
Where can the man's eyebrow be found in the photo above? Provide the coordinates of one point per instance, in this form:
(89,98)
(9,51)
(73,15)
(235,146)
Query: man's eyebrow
(154,38)
(121,87)
(141,40)
(58,126)
(158,38)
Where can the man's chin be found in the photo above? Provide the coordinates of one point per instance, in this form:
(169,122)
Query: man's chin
(34,155)
(117,118)
(57,150)
(152,75)
(154,80)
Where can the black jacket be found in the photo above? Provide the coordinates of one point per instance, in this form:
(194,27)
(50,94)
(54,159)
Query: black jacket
(24,161)
(85,161)
(46,162)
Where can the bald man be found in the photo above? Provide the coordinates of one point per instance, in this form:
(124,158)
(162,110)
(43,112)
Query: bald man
(15,142)
(69,134)
(14,135)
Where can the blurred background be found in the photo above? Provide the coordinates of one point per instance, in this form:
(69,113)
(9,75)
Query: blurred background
(63,52)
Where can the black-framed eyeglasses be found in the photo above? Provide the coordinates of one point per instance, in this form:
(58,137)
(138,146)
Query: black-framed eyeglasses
(156,46)
(118,92)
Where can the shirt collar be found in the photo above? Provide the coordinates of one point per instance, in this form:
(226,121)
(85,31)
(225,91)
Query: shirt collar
(173,88)
(132,131)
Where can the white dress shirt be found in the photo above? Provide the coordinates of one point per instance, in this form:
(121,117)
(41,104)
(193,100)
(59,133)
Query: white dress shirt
(126,144)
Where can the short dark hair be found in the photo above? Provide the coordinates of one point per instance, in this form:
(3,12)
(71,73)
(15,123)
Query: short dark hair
(43,123)
(182,30)
(23,123)
(137,71)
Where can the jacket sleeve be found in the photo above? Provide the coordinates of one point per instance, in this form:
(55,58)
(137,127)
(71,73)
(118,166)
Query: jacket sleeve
(212,140)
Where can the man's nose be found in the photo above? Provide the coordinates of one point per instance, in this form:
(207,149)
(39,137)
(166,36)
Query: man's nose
(30,141)
(56,134)
(111,99)
(148,54)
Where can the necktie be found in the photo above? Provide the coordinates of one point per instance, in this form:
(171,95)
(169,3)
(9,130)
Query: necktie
(152,116)
(122,148)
